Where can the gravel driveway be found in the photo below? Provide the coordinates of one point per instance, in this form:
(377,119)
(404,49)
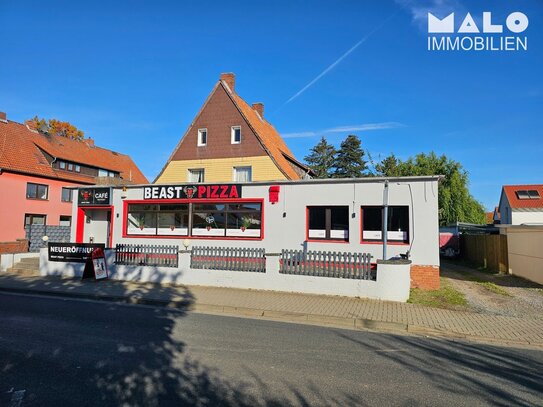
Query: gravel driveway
(520,298)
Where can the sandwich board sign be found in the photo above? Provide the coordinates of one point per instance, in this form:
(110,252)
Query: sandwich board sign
(96,268)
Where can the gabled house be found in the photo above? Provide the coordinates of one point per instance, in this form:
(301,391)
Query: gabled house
(493,218)
(37,169)
(229,140)
(521,204)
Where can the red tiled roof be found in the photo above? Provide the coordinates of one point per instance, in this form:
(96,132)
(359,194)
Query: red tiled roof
(22,150)
(490,217)
(269,137)
(514,202)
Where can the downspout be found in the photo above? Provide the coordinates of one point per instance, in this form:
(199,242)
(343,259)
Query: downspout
(385,220)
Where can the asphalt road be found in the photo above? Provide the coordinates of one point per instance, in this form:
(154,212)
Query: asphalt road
(57,352)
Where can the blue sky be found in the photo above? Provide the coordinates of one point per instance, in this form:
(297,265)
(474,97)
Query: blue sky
(133,75)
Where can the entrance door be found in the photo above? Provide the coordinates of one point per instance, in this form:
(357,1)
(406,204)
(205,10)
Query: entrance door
(96,226)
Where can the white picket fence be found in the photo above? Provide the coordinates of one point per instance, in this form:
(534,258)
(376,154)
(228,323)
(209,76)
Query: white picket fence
(228,259)
(326,264)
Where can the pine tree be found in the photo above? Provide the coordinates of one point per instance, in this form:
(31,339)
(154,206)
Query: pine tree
(350,161)
(321,160)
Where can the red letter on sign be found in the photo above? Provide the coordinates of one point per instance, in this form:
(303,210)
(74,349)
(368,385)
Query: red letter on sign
(201,191)
(234,192)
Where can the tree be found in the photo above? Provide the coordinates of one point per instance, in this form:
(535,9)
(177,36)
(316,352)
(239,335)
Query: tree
(321,160)
(58,128)
(350,161)
(388,166)
(456,204)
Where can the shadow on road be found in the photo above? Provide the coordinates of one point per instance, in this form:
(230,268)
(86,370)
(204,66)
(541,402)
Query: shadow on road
(519,376)
(111,355)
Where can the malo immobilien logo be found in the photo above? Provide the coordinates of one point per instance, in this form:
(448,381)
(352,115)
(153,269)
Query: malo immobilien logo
(483,35)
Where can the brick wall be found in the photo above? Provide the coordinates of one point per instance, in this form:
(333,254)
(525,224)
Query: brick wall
(19,246)
(424,277)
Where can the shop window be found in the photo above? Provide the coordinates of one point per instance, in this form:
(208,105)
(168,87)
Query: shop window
(202,137)
(67,194)
(328,223)
(196,175)
(159,220)
(33,219)
(173,220)
(244,220)
(207,220)
(236,135)
(36,191)
(243,174)
(65,220)
(398,224)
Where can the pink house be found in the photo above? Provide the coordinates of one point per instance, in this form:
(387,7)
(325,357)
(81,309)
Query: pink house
(37,169)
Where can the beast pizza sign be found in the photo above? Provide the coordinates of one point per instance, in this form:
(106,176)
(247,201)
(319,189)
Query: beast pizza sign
(213,191)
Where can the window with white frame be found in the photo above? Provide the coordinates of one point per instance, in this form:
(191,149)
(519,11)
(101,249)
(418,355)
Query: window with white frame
(202,137)
(243,174)
(236,135)
(196,175)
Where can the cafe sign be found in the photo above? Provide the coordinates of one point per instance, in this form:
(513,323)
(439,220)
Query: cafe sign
(94,196)
(213,191)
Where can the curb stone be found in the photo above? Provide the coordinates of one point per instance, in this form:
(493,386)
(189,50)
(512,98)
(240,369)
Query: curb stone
(284,316)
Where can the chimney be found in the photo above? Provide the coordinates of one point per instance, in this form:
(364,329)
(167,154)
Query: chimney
(230,79)
(90,142)
(3,117)
(259,107)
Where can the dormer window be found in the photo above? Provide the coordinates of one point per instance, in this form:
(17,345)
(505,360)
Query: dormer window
(202,137)
(236,135)
(528,194)
(62,165)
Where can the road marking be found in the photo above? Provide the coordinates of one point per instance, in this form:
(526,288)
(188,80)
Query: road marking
(17,398)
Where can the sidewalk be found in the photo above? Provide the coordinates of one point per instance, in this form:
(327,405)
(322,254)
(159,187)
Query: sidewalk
(343,312)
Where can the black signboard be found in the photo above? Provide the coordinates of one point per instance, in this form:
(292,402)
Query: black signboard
(94,196)
(211,191)
(72,252)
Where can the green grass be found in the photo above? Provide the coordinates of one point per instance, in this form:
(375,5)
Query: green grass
(486,284)
(446,297)
(494,288)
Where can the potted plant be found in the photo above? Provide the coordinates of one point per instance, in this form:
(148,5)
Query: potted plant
(246,221)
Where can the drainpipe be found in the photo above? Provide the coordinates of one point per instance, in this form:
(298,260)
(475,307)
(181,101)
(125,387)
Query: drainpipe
(385,220)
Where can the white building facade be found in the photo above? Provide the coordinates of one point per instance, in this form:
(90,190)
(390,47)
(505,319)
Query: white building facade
(310,215)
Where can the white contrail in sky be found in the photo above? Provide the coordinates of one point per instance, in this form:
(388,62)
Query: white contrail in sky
(341,58)
(337,61)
